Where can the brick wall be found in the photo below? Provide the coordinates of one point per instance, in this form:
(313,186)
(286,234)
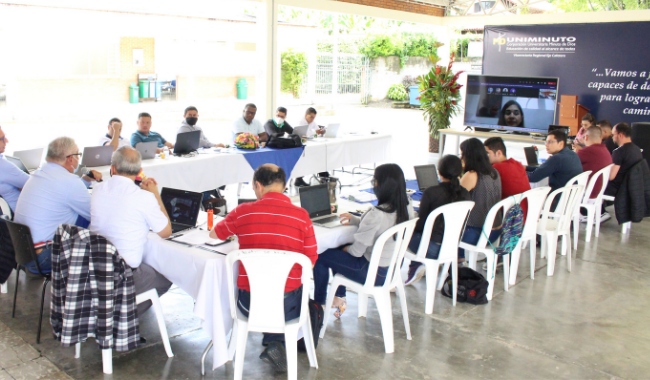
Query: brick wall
(129,72)
(400,6)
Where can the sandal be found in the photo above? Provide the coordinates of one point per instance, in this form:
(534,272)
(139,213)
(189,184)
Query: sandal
(340,309)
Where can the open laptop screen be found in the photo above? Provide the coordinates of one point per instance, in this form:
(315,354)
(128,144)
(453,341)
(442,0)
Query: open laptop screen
(426,175)
(316,200)
(182,206)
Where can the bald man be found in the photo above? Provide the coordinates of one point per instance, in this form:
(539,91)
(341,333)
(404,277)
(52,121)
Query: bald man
(594,156)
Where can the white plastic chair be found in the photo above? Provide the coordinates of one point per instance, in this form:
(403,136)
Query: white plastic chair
(593,206)
(553,225)
(535,200)
(483,246)
(149,295)
(455,216)
(267,272)
(625,227)
(581,179)
(5,209)
(381,294)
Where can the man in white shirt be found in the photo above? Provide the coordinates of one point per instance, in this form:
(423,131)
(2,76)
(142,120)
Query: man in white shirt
(310,120)
(113,136)
(123,213)
(54,196)
(191,116)
(247,123)
(12,179)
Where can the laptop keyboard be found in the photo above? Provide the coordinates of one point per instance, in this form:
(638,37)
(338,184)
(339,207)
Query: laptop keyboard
(329,219)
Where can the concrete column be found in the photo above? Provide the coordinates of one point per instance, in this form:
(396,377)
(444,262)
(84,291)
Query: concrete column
(335,58)
(267,84)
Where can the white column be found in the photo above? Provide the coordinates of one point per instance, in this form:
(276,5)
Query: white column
(267,83)
(443,35)
(335,58)
(312,58)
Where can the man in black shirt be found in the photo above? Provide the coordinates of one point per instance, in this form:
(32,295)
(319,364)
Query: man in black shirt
(624,157)
(606,128)
(278,125)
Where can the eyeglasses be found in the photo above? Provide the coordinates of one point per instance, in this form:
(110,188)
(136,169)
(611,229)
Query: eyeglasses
(549,142)
(74,154)
(3,139)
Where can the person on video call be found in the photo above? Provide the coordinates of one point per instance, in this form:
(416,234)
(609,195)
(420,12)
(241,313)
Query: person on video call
(511,115)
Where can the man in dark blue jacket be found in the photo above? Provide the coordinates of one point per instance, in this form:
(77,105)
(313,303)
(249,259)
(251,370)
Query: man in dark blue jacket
(563,164)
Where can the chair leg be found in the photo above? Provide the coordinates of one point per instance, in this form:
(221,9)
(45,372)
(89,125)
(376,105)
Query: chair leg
(576,230)
(491,261)
(432,277)
(232,345)
(568,254)
(471,258)
(564,248)
(454,280)
(405,313)
(514,264)
(3,287)
(533,257)
(551,253)
(309,343)
(362,299)
(107,361)
(328,304)
(157,308)
(242,337)
(443,275)
(292,353)
(598,206)
(13,311)
(386,316)
(590,226)
(40,317)
(77,350)
(205,353)
(506,271)
(544,250)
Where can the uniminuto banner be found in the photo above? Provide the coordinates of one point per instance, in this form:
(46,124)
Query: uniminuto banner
(606,64)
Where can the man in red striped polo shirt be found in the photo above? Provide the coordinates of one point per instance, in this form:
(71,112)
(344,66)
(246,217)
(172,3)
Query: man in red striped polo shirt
(272,222)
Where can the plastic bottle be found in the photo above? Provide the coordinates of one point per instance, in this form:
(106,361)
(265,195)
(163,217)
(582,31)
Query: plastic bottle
(165,153)
(210,219)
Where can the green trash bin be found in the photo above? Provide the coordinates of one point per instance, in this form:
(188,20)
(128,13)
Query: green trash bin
(144,89)
(242,89)
(133,93)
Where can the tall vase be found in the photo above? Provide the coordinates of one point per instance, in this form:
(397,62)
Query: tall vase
(434,144)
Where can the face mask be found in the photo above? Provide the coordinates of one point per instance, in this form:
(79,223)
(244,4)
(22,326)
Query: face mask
(279,120)
(191,120)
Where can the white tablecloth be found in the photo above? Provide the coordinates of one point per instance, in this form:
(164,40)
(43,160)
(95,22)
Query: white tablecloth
(210,170)
(202,275)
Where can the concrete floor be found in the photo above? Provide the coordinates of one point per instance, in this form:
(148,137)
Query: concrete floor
(588,324)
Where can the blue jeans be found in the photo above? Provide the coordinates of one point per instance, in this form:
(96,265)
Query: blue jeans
(292,304)
(353,268)
(471,236)
(414,245)
(44,261)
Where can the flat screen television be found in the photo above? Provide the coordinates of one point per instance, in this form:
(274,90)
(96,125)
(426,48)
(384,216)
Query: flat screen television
(518,104)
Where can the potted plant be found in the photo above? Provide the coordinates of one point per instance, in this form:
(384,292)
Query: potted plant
(439,97)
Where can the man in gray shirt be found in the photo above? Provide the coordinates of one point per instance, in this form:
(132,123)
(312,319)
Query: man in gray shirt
(191,116)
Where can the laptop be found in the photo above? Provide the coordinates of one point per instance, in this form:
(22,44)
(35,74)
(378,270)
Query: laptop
(301,130)
(531,156)
(31,158)
(97,156)
(187,142)
(147,149)
(182,207)
(426,175)
(332,131)
(316,200)
(18,162)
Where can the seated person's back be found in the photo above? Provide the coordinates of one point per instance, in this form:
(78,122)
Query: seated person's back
(513,174)
(624,157)
(594,156)
(12,179)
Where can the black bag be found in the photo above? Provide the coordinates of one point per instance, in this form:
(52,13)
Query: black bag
(316,318)
(275,141)
(472,287)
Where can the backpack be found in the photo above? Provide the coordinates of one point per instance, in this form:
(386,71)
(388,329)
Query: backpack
(294,141)
(511,230)
(472,287)
(316,319)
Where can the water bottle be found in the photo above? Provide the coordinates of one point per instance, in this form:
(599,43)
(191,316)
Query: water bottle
(165,152)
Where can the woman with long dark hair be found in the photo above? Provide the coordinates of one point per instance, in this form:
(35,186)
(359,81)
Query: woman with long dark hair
(511,115)
(484,185)
(448,191)
(353,260)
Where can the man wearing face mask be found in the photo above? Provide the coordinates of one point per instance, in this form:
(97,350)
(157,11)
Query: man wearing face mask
(54,196)
(191,116)
(278,125)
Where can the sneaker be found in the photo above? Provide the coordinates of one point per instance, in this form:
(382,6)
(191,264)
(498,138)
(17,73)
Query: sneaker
(299,182)
(276,355)
(499,265)
(415,273)
(605,217)
(583,219)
